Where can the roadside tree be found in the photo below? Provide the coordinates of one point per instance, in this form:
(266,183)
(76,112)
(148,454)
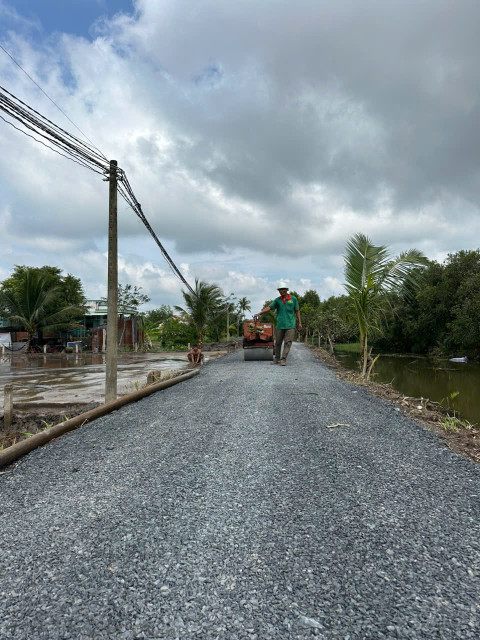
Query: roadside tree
(370,274)
(199,308)
(175,333)
(34,304)
(243,306)
(159,315)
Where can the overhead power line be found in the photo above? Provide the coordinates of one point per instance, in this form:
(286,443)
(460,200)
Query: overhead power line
(82,164)
(127,194)
(51,135)
(49,131)
(51,100)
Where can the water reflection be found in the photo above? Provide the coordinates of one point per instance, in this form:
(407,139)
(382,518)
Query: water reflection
(428,378)
(76,378)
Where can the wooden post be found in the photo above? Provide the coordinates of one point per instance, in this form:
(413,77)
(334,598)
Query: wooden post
(8,406)
(112,299)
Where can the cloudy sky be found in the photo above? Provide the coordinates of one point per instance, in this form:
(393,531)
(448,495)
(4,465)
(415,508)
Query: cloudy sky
(258,136)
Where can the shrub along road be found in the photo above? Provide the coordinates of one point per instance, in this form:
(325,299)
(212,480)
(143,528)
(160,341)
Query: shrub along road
(224,507)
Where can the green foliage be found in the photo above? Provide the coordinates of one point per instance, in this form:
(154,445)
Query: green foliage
(309,315)
(175,333)
(310,297)
(33,300)
(243,305)
(151,322)
(448,400)
(66,293)
(352,347)
(69,290)
(454,423)
(130,298)
(269,316)
(159,315)
(444,315)
(371,274)
(199,309)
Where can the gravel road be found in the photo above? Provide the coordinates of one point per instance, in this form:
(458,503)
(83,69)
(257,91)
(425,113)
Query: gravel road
(224,508)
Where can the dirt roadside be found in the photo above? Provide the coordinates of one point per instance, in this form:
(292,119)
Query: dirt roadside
(456,437)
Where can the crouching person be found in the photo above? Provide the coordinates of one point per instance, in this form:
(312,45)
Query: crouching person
(195,356)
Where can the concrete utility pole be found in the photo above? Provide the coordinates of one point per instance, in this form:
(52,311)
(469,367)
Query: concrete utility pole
(228,316)
(112,299)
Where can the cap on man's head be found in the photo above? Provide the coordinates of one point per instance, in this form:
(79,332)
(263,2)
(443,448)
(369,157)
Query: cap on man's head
(282,285)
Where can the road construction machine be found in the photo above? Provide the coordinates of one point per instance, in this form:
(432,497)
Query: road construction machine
(258,340)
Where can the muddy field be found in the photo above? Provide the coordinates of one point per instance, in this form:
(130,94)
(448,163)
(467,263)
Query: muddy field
(51,388)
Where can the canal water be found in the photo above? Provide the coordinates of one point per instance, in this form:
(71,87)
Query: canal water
(427,378)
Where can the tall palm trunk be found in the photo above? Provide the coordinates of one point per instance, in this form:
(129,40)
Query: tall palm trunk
(364,352)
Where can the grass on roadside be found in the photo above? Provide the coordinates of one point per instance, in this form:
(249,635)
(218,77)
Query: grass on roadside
(352,347)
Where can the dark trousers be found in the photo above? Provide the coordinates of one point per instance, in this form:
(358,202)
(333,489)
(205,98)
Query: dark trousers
(286,336)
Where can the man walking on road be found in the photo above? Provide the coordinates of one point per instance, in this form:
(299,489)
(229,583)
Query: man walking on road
(287,310)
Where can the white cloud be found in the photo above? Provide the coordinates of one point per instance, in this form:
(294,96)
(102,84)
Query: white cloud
(334,286)
(256,140)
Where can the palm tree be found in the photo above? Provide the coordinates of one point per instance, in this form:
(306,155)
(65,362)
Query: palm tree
(242,305)
(370,273)
(199,307)
(32,306)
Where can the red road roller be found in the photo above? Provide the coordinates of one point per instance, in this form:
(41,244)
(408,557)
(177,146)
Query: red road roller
(258,341)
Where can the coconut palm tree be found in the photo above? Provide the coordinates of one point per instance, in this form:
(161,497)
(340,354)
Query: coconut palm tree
(242,305)
(370,273)
(32,305)
(199,307)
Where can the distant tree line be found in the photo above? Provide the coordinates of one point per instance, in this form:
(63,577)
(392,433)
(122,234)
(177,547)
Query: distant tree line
(37,299)
(439,316)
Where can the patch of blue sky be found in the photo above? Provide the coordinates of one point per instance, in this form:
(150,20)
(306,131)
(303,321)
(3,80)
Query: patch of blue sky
(210,75)
(44,17)
(68,79)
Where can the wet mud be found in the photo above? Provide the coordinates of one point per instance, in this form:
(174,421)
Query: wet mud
(48,389)
(60,380)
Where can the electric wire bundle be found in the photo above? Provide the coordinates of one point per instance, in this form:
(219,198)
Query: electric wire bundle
(56,139)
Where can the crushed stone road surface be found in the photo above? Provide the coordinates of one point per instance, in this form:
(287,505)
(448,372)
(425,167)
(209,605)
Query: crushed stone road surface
(224,508)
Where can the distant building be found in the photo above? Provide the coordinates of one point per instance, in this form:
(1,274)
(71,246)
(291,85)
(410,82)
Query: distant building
(92,329)
(95,325)
(96,317)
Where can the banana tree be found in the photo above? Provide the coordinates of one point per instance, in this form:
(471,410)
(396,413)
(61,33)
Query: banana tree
(370,273)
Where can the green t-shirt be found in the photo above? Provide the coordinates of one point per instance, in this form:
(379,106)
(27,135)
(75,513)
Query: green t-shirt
(285,312)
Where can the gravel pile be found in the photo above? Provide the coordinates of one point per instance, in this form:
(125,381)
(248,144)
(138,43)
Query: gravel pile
(224,507)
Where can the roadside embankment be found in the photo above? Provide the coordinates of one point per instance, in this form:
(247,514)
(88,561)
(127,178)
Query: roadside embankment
(52,388)
(459,435)
(19,449)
